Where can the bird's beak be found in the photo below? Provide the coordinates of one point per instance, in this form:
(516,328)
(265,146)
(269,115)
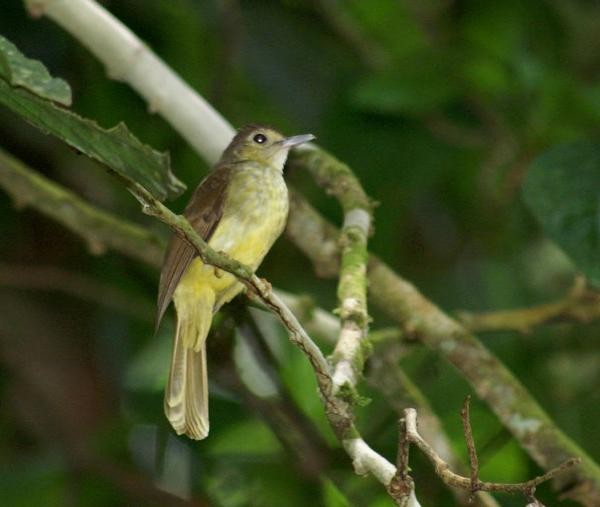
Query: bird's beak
(290,142)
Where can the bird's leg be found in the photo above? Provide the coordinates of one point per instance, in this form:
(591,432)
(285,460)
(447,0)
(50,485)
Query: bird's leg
(219,272)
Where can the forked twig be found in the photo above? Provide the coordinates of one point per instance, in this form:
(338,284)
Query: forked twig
(471,483)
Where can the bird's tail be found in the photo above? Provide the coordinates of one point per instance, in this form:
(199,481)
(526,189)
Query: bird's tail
(186,397)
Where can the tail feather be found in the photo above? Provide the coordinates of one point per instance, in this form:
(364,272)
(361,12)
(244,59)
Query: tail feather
(186,396)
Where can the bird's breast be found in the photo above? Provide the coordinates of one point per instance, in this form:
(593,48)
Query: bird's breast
(254,215)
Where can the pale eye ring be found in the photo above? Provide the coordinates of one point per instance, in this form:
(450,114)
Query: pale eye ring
(260,138)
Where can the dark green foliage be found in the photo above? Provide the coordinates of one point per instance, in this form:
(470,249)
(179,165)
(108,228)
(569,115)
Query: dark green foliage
(116,148)
(562,189)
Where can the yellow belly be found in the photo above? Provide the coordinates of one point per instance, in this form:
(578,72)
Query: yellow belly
(246,232)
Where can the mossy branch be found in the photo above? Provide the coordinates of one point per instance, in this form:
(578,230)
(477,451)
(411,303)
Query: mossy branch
(101,230)
(338,180)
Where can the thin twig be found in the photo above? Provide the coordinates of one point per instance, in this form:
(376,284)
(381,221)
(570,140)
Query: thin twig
(581,304)
(403,452)
(465,415)
(386,375)
(402,484)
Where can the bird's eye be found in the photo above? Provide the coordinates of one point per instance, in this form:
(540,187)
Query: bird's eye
(260,138)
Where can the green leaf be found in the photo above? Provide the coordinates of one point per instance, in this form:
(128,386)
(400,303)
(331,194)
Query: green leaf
(116,148)
(562,189)
(23,72)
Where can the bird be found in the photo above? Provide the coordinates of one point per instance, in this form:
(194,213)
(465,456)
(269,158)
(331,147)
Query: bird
(239,209)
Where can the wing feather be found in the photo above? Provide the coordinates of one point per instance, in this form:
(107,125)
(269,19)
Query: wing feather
(204,212)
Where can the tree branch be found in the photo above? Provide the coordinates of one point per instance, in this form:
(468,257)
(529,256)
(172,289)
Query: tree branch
(337,179)
(387,376)
(420,319)
(581,304)
(128,59)
(364,459)
(453,479)
(99,229)
(135,242)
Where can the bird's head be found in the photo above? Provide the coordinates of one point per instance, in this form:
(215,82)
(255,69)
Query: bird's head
(262,144)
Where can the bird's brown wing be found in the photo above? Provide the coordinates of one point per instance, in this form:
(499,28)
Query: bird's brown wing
(204,212)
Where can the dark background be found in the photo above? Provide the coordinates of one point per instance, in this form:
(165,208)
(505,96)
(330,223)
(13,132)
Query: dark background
(439,107)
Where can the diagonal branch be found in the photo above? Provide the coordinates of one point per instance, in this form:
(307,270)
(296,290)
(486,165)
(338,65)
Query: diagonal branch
(339,415)
(128,59)
(101,230)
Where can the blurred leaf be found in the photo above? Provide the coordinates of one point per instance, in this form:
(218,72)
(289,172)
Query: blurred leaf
(487,74)
(148,370)
(562,189)
(420,84)
(244,437)
(116,148)
(23,72)
(332,496)
(507,464)
(251,371)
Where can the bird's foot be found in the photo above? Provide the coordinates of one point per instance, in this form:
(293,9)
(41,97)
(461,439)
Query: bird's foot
(252,293)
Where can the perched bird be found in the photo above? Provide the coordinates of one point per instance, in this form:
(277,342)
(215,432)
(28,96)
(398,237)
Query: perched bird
(240,209)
